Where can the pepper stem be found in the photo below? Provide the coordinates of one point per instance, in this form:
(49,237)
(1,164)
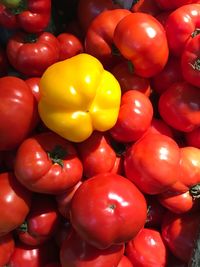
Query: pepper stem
(196,65)
(119,148)
(195,191)
(18,8)
(127,4)
(115,50)
(30,38)
(10,3)
(23,227)
(57,155)
(195,32)
(130,67)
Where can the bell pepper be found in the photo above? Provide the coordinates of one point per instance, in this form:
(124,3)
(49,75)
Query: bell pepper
(78,96)
(32,54)
(29,15)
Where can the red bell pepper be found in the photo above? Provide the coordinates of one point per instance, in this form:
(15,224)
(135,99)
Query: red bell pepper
(181,26)
(32,54)
(29,15)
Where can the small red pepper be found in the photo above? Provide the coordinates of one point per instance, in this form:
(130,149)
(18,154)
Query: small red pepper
(29,15)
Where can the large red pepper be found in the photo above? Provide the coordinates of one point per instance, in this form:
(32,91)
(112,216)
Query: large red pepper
(30,15)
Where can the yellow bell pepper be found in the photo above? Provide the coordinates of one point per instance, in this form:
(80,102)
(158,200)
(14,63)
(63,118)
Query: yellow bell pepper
(78,96)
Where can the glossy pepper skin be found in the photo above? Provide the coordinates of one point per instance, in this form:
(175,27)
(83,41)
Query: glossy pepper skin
(78,96)
(32,54)
(29,15)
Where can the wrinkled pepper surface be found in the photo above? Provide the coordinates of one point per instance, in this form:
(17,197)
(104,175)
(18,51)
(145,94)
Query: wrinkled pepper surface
(79,96)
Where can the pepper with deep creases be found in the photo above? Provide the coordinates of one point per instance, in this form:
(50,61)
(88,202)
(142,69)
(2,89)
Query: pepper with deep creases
(79,96)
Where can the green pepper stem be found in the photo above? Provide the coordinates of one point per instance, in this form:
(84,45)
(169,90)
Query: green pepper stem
(16,8)
(10,3)
(23,227)
(196,65)
(57,155)
(195,32)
